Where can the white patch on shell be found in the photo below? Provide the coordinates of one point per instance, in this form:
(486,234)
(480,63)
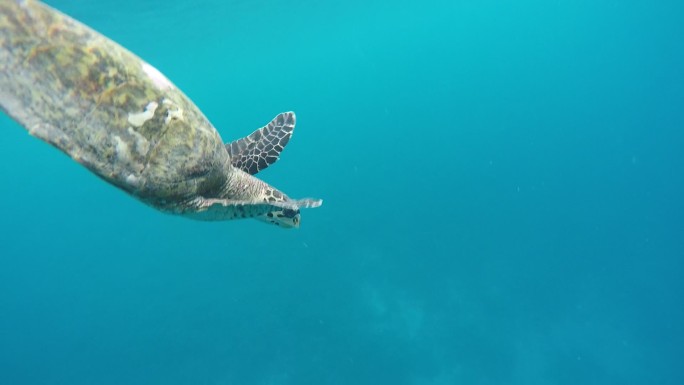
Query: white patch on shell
(171,114)
(121,147)
(137,119)
(142,146)
(123,154)
(133,180)
(157,77)
(128,150)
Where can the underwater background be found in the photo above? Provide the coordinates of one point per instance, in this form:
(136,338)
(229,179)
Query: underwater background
(503,187)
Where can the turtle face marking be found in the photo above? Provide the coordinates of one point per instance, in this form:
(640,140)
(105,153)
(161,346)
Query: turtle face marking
(286,218)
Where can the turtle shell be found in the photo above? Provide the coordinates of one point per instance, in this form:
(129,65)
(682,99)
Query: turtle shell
(105,107)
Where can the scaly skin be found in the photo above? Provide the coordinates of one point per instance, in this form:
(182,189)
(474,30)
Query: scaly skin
(121,118)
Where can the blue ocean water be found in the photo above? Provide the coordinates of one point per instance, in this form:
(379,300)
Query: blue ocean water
(502,186)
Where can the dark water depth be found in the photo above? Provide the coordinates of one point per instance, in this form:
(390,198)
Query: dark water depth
(503,188)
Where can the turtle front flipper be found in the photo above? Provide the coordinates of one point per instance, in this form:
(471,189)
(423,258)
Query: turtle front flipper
(262,148)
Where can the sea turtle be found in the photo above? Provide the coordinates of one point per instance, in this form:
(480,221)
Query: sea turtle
(126,122)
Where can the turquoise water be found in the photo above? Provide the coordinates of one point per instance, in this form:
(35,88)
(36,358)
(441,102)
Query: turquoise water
(502,186)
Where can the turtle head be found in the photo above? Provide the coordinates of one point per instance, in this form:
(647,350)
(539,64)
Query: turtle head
(286,218)
(286,215)
(289,217)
